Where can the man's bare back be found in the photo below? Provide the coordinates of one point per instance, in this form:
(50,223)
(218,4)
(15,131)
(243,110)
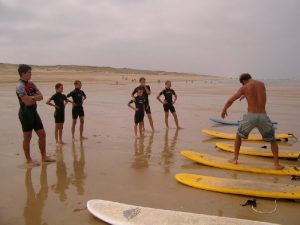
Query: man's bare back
(255,93)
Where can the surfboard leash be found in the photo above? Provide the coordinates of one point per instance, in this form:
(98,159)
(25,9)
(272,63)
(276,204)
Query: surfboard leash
(254,204)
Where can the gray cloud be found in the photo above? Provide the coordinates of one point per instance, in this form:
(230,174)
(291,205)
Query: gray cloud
(210,37)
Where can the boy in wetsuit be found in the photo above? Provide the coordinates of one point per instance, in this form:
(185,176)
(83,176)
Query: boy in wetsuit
(168,103)
(139,109)
(78,97)
(59,115)
(28,95)
(146,92)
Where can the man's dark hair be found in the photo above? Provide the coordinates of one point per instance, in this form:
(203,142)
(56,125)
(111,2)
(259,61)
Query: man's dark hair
(168,81)
(142,78)
(245,77)
(58,85)
(77,81)
(23,68)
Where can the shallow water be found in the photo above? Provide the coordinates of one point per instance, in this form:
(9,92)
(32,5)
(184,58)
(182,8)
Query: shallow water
(113,165)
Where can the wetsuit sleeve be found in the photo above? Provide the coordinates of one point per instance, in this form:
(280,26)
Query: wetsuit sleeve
(70,94)
(134,91)
(52,97)
(131,101)
(173,92)
(20,89)
(160,93)
(84,95)
(65,97)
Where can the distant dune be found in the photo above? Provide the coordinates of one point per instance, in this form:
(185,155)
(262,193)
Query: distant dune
(95,74)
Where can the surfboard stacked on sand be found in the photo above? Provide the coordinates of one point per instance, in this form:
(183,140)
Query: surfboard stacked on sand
(122,214)
(243,187)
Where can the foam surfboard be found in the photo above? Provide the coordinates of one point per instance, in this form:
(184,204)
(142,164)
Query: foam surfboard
(247,165)
(224,122)
(240,187)
(252,137)
(122,214)
(259,151)
(231,123)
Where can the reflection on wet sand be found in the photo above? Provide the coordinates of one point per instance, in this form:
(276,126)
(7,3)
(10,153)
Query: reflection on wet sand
(168,152)
(77,179)
(63,180)
(142,155)
(35,203)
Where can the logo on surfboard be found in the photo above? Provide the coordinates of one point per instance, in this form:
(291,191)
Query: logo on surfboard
(131,213)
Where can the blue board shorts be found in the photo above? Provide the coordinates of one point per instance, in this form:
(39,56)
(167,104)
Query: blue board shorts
(261,121)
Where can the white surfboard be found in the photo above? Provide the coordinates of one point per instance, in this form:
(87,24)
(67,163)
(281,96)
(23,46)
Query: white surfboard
(123,214)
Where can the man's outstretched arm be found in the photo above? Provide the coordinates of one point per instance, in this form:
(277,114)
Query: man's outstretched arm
(230,101)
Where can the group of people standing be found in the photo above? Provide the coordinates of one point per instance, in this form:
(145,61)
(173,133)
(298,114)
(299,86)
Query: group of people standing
(28,95)
(140,96)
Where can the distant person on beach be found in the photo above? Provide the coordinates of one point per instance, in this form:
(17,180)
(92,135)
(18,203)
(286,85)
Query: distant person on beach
(146,92)
(255,93)
(78,97)
(168,103)
(60,100)
(28,95)
(139,109)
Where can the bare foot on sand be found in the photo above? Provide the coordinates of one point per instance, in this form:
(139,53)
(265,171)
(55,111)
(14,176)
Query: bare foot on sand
(233,161)
(32,163)
(58,144)
(48,159)
(74,140)
(83,138)
(179,128)
(63,143)
(279,167)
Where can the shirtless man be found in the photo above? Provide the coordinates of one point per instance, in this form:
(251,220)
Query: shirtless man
(28,95)
(255,93)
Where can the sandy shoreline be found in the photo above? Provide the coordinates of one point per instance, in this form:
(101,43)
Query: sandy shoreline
(112,165)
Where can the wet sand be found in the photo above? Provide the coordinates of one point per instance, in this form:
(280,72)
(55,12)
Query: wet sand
(113,165)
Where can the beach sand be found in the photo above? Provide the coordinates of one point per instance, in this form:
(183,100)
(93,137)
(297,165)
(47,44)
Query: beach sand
(112,165)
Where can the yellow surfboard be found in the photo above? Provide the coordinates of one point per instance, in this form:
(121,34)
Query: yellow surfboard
(247,165)
(240,187)
(256,151)
(252,137)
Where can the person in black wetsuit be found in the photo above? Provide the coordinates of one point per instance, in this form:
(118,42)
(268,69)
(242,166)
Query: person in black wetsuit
(168,103)
(146,93)
(139,109)
(78,97)
(28,95)
(59,115)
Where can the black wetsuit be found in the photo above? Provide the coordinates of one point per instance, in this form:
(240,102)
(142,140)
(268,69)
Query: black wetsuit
(145,95)
(168,93)
(140,105)
(28,115)
(77,96)
(59,100)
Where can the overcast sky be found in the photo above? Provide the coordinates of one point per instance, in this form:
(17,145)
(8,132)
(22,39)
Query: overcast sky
(216,37)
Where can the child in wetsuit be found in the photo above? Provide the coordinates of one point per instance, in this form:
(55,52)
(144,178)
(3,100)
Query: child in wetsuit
(168,103)
(139,109)
(60,101)
(78,97)
(146,93)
